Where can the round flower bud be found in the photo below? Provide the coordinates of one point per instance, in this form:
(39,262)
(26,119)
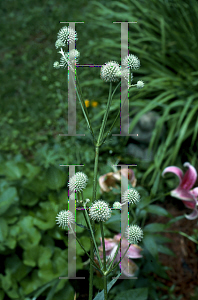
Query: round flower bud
(73,54)
(67,35)
(116,205)
(132,196)
(109,71)
(131,61)
(56,65)
(59,44)
(140,84)
(65,218)
(100,211)
(78,182)
(134,234)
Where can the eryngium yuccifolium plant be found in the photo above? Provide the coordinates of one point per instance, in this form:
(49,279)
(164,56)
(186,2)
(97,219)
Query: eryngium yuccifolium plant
(131,196)
(125,73)
(140,84)
(59,44)
(100,211)
(64,60)
(56,65)
(109,71)
(117,205)
(65,218)
(131,61)
(78,182)
(67,35)
(134,234)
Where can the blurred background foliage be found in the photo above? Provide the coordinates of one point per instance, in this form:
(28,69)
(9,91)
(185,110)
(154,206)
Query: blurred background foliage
(33,111)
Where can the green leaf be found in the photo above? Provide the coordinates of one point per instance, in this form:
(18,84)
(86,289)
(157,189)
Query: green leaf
(165,250)
(114,222)
(150,244)
(100,295)
(3,229)
(155,209)
(55,178)
(13,170)
(136,294)
(8,198)
(154,227)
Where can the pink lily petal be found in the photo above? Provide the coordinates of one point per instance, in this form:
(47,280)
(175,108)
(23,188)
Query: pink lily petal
(194,192)
(193,215)
(182,194)
(174,170)
(109,244)
(134,251)
(190,205)
(189,178)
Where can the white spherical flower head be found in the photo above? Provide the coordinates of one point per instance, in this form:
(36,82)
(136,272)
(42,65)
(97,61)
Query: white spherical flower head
(78,182)
(109,71)
(116,205)
(73,56)
(65,218)
(134,234)
(132,196)
(140,84)
(100,211)
(67,35)
(59,44)
(56,65)
(74,53)
(131,61)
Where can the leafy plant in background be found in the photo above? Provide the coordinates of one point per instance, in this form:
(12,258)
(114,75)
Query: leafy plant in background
(169,69)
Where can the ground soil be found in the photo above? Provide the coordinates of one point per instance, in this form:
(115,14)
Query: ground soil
(184,267)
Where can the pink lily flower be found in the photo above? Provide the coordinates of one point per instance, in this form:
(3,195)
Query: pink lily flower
(184,192)
(128,267)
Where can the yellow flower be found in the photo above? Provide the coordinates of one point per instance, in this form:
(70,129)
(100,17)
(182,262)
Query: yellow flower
(87,103)
(94,103)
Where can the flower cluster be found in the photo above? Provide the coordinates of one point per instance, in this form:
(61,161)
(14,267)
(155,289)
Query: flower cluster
(66,35)
(65,218)
(100,211)
(112,71)
(134,234)
(109,71)
(131,196)
(78,182)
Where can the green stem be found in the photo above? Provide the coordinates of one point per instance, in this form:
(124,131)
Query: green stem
(103,245)
(105,287)
(84,109)
(104,261)
(111,128)
(100,137)
(110,270)
(100,262)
